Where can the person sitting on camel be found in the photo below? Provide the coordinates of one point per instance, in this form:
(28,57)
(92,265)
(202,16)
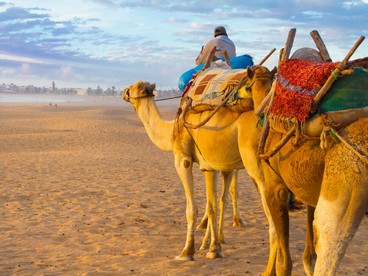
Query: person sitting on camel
(222,42)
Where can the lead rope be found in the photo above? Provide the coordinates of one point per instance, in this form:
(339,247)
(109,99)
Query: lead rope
(190,134)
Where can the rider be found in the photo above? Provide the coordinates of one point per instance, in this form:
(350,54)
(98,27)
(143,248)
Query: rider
(221,42)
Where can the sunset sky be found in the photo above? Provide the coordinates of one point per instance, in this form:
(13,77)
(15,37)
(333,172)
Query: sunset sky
(86,43)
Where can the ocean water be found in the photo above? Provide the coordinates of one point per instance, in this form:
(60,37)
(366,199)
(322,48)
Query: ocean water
(21,98)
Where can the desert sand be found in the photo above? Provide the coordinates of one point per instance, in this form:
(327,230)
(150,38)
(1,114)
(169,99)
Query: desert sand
(83,191)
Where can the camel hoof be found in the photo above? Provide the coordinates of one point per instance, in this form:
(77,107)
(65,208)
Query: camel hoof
(215,255)
(239,223)
(184,258)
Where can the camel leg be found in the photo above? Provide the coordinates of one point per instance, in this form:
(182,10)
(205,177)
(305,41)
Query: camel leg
(309,256)
(254,168)
(276,196)
(237,221)
(341,207)
(227,177)
(206,238)
(334,226)
(204,223)
(215,246)
(183,167)
(271,264)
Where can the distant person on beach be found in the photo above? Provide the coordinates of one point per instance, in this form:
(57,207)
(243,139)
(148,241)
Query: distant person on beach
(221,42)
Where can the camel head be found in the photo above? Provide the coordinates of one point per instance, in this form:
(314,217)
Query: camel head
(138,90)
(258,82)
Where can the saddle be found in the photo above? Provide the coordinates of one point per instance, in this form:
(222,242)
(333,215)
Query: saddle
(297,84)
(211,87)
(294,110)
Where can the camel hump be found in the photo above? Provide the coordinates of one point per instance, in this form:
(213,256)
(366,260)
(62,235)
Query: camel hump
(307,53)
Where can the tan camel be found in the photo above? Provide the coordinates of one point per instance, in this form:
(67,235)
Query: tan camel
(206,146)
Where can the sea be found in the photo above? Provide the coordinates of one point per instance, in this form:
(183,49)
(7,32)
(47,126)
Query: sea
(37,98)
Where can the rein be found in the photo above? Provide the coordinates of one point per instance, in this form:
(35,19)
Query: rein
(141,97)
(152,95)
(170,98)
(146,95)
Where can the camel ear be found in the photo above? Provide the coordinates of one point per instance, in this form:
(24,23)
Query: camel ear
(152,87)
(140,85)
(250,72)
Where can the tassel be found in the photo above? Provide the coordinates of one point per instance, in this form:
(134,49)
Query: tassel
(323,138)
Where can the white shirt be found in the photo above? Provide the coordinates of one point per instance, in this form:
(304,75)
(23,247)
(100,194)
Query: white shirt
(222,42)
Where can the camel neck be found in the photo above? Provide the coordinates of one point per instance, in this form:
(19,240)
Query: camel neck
(159,130)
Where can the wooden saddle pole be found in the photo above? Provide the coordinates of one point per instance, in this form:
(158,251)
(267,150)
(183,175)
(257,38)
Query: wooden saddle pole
(284,54)
(335,74)
(320,45)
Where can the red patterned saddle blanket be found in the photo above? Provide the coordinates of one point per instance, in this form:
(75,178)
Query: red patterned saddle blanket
(298,81)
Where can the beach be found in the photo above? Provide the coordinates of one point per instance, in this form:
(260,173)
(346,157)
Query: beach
(83,191)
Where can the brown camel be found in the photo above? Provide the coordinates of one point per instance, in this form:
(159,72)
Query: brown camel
(333,182)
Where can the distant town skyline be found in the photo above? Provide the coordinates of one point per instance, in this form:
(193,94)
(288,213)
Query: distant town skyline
(90,43)
(13,88)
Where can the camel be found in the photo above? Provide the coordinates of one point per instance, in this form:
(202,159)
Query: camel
(334,181)
(229,141)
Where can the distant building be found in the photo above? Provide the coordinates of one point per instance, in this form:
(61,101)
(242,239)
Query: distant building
(81,91)
(53,86)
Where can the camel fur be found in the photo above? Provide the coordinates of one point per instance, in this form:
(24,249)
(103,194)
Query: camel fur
(334,181)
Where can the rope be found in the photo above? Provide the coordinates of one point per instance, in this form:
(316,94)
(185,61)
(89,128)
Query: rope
(189,125)
(361,156)
(165,99)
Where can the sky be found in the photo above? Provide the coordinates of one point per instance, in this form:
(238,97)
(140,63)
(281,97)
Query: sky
(90,43)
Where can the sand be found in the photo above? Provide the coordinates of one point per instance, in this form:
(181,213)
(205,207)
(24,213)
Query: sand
(83,191)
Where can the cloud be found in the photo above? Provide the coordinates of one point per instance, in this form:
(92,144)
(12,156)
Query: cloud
(174,19)
(16,13)
(112,42)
